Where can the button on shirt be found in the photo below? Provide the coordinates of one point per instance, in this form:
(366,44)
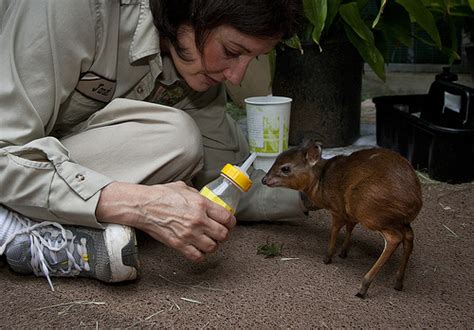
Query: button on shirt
(51,55)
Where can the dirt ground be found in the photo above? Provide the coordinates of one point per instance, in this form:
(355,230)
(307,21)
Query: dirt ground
(237,288)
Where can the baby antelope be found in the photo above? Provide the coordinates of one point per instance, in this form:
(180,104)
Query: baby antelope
(376,187)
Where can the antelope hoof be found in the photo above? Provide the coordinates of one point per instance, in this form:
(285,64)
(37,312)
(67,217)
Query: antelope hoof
(361,295)
(363,289)
(343,254)
(327,260)
(398,286)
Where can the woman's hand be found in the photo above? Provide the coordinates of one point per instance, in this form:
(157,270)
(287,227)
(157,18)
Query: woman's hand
(173,213)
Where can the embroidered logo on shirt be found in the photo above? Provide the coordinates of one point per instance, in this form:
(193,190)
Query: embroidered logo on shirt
(96,87)
(168,95)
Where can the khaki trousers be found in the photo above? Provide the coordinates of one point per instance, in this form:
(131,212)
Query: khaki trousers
(141,142)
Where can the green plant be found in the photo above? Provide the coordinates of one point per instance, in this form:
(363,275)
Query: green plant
(455,14)
(270,250)
(371,30)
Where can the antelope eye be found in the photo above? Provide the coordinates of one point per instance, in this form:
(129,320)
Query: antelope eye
(286,169)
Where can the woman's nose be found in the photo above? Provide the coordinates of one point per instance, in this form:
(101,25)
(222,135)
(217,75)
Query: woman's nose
(235,73)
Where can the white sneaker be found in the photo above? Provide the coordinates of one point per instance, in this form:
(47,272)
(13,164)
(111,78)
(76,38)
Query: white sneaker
(50,249)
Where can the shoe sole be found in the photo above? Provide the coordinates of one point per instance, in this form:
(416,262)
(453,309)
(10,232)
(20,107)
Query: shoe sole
(116,238)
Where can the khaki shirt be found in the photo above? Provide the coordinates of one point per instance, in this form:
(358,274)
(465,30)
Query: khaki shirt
(61,61)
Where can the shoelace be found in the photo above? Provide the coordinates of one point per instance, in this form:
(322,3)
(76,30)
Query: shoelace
(54,244)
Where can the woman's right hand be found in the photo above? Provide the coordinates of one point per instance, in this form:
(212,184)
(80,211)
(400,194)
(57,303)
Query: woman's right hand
(173,213)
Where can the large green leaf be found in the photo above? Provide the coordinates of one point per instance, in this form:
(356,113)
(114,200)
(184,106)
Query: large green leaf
(333,10)
(316,12)
(350,14)
(381,42)
(369,53)
(294,42)
(442,9)
(361,4)
(382,6)
(421,15)
(471,4)
(434,5)
(454,40)
(396,25)
(461,11)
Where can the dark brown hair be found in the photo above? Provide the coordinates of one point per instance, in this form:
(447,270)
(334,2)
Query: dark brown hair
(256,18)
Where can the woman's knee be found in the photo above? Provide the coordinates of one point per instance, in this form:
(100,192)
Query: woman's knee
(188,138)
(172,147)
(158,142)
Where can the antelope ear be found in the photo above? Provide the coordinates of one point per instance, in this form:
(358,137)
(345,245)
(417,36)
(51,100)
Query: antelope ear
(313,154)
(306,144)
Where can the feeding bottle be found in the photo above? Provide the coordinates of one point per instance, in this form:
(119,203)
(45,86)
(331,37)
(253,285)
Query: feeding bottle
(229,186)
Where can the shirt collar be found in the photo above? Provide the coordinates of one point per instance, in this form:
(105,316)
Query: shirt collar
(145,41)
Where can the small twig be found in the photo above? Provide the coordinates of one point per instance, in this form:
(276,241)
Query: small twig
(195,286)
(69,305)
(287,259)
(445,207)
(65,310)
(74,303)
(191,300)
(426,179)
(82,324)
(147,318)
(452,232)
(174,304)
(154,314)
(205,325)
(207,287)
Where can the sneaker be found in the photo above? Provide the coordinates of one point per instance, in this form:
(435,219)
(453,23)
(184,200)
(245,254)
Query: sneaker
(50,249)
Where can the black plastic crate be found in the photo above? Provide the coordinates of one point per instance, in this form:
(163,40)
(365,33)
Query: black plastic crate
(450,105)
(447,154)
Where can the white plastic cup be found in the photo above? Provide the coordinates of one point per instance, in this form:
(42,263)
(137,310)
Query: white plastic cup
(268,124)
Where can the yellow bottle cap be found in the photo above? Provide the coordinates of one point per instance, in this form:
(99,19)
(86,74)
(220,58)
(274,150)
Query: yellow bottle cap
(237,176)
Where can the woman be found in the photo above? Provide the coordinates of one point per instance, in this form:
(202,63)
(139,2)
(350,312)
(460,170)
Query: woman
(107,109)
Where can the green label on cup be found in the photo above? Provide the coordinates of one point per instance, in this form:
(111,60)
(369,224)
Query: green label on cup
(268,132)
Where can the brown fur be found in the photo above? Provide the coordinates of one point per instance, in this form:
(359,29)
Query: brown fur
(377,188)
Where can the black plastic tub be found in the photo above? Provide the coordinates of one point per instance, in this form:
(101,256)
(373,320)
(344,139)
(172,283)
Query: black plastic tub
(447,154)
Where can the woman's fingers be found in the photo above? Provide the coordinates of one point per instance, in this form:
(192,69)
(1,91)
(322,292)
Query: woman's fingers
(183,219)
(219,214)
(193,254)
(206,244)
(194,251)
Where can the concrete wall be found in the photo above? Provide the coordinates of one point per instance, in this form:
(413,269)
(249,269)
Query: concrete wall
(402,79)
(407,79)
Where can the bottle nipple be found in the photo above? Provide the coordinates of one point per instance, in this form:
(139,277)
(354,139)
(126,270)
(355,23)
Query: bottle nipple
(249,161)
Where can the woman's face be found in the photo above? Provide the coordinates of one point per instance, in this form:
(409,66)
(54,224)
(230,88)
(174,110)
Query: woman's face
(226,56)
